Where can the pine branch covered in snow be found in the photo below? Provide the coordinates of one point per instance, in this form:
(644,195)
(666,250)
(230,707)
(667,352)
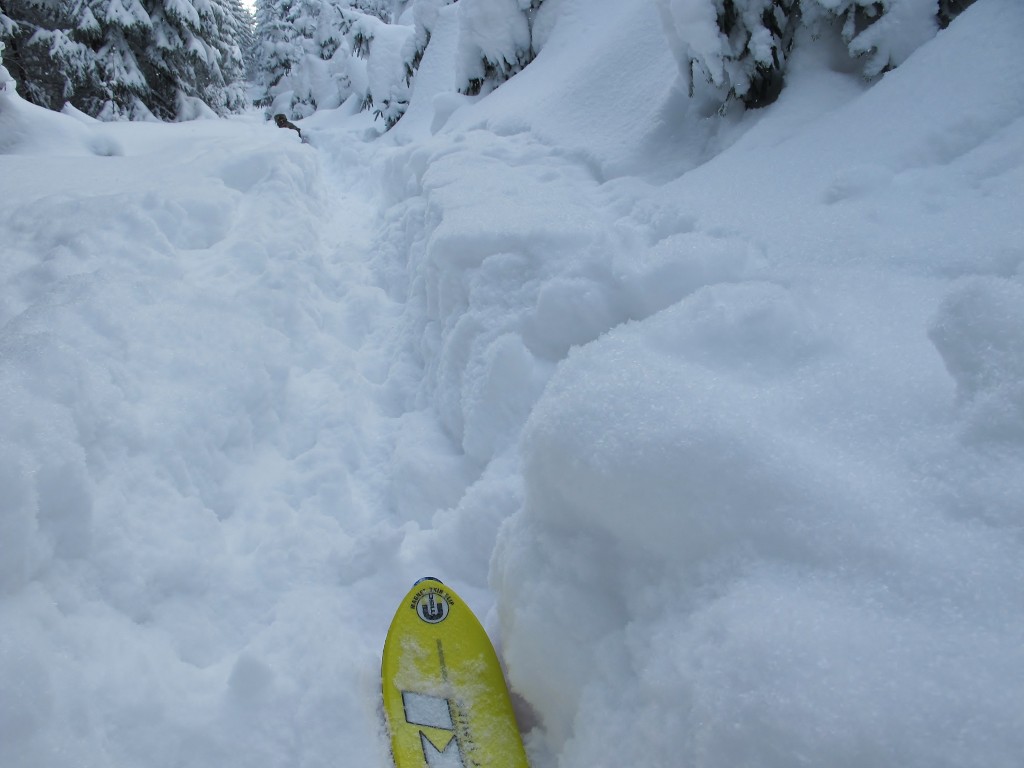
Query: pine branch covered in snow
(740,47)
(495,42)
(950,9)
(379,8)
(879,33)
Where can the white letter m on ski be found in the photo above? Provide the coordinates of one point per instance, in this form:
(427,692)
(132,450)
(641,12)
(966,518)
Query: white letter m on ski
(433,712)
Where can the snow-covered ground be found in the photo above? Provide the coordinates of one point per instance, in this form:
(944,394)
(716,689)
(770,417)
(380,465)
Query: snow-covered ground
(717,421)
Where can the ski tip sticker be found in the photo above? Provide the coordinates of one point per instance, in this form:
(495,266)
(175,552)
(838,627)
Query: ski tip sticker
(432,603)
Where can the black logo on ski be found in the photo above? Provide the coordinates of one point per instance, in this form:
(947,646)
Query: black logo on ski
(432,608)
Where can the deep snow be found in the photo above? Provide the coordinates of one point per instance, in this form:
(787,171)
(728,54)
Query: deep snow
(716,420)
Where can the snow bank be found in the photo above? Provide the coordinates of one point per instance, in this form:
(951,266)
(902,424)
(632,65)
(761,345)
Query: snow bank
(749,532)
(771,454)
(598,87)
(26,129)
(978,332)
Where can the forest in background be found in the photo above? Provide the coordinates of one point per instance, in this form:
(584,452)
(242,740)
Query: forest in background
(183,59)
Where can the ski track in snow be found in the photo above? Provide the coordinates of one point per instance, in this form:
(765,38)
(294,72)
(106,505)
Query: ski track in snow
(719,431)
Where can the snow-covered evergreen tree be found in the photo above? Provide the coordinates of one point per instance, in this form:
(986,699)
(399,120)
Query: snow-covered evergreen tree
(314,53)
(50,64)
(234,25)
(302,62)
(191,59)
(391,103)
(245,36)
(740,47)
(127,58)
(495,42)
(116,31)
(317,53)
(273,50)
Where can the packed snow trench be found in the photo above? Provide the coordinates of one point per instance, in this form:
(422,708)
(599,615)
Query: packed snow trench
(715,420)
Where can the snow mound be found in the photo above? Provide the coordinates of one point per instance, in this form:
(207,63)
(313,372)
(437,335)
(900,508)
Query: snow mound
(749,519)
(26,129)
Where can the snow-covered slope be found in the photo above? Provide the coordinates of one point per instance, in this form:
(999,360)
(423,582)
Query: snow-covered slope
(776,517)
(718,419)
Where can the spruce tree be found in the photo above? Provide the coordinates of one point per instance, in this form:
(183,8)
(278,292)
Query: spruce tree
(116,31)
(278,49)
(190,58)
(309,52)
(127,58)
(233,32)
(41,53)
(244,34)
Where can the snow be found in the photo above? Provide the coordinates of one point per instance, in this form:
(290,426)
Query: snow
(716,419)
